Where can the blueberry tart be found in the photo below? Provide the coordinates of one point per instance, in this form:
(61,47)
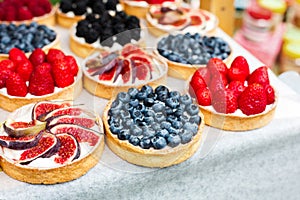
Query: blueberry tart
(107,73)
(185,52)
(50,142)
(111,31)
(153,127)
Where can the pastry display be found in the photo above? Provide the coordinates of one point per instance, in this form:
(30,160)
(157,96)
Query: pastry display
(72,11)
(140,8)
(153,127)
(110,31)
(22,11)
(41,76)
(50,142)
(184,53)
(167,18)
(107,73)
(26,37)
(233,98)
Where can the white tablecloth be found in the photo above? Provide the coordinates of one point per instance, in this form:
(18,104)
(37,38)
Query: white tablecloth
(258,164)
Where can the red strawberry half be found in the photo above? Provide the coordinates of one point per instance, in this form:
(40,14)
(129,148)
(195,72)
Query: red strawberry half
(225,101)
(16,86)
(239,69)
(260,75)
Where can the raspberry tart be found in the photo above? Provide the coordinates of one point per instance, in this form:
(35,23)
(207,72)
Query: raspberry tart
(110,31)
(41,76)
(22,11)
(50,142)
(107,73)
(153,127)
(233,98)
(72,11)
(187,52)
(26,37)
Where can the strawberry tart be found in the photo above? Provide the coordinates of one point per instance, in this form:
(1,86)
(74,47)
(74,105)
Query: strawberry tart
(153,127)
(110,31)
(41,76)
(186,52)
(232,98)
(167,18)
(50,142)
(107,73)
(25,11)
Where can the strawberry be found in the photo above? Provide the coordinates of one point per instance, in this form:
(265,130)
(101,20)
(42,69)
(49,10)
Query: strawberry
(24,14)
(24,68)
(4,74)
(196,83)
(17,55)
(239,69)
(260,75)
(55,54)
(203,71)
(16,86)
(253,99)
(217,66)
(41,81)
(10,13)
(203,96)
(270,94)
(38,11)
(7,64)
(73,64)
(225,101)
(37,57)
(62,74)
(237,87)
(218,83)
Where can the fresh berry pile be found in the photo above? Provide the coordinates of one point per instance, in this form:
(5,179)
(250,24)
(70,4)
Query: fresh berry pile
(103,28)
(229,89)
(82,7)
(37,75)
(17,10)
(25,37)
(154,118)
(193,48)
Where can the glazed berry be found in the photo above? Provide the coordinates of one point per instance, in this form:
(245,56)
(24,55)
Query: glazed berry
(149,102)
(173,140)
(134,103)
(195,119)
(148,132)
(191,127)
(141,95)
(165,125)
(185,99)
(186,136)
(124,134)
(192,109)
(158,107)
(132,92)
(116,128)
(134,140)
(147,89)
(177,124)
(158,142)
(172,102)
(136,130)
(145,143)
(163,133)
(160,117)
(124,97)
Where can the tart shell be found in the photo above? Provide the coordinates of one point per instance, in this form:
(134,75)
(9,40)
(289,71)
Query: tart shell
(71,92)
(66,21)
(138,11)
(151,157)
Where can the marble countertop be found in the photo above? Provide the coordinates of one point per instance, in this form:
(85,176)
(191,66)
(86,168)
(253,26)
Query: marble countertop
(258,164)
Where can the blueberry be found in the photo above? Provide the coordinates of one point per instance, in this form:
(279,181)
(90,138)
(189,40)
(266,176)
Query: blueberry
(185,99)
(134,103)
(192,109)
(195,119)
(177,124)
(128,107)
(147,89)
(124,134)
(174,94)
(158,107)
(141,95)
(161,88)
(136,130)
(136,114)
(163,133)
(115,128)
(123,97)
(141,107)
(171,118)
(145,143)
(148,132)
(149,113)
(173,130)
(148,101)
(165,125)
(134,140)
(148,120)
(159,117)
(155,126)
(168,111)
(179,111)
(173,140)
(158,142)
(116,105)
(152,96)
(186,136)
(191,127)
(127,123)
(124,114)
(172,102)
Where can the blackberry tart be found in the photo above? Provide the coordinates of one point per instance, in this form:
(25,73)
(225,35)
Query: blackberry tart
(110,31)
(153,127)
(72,11)
(107,73)
(186,52)
(50,142)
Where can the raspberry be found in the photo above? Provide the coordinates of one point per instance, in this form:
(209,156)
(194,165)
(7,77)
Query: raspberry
(62,74)
(16,86)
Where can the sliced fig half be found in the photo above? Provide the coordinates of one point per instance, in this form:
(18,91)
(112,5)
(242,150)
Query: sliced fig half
(67,119)
(46,147)
(142,71)
(129,49)
(126,71)
(20,143)
(69,149)
(80,133)
(73,111)
(42,108)
(21,129)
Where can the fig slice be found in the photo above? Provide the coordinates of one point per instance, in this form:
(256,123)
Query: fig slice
(82,134)
(69,149)
(20,143)
(47,146)
(20,129)
(142,71)
(42,108)
(104,68)
(100,61)
(72,111)
(67,119)
(126,71)
(129,49)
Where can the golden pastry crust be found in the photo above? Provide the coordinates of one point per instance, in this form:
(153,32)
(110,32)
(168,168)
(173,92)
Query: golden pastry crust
(71,92)
(65,21)
(138,11)
(151,157)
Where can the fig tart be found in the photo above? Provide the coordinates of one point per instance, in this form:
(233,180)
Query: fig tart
(232,98)
(186,52)
(153,127)
(50,142)
(107,73)
(41,76)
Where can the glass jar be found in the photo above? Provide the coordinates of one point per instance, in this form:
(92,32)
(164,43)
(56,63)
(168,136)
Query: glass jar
(290,57)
